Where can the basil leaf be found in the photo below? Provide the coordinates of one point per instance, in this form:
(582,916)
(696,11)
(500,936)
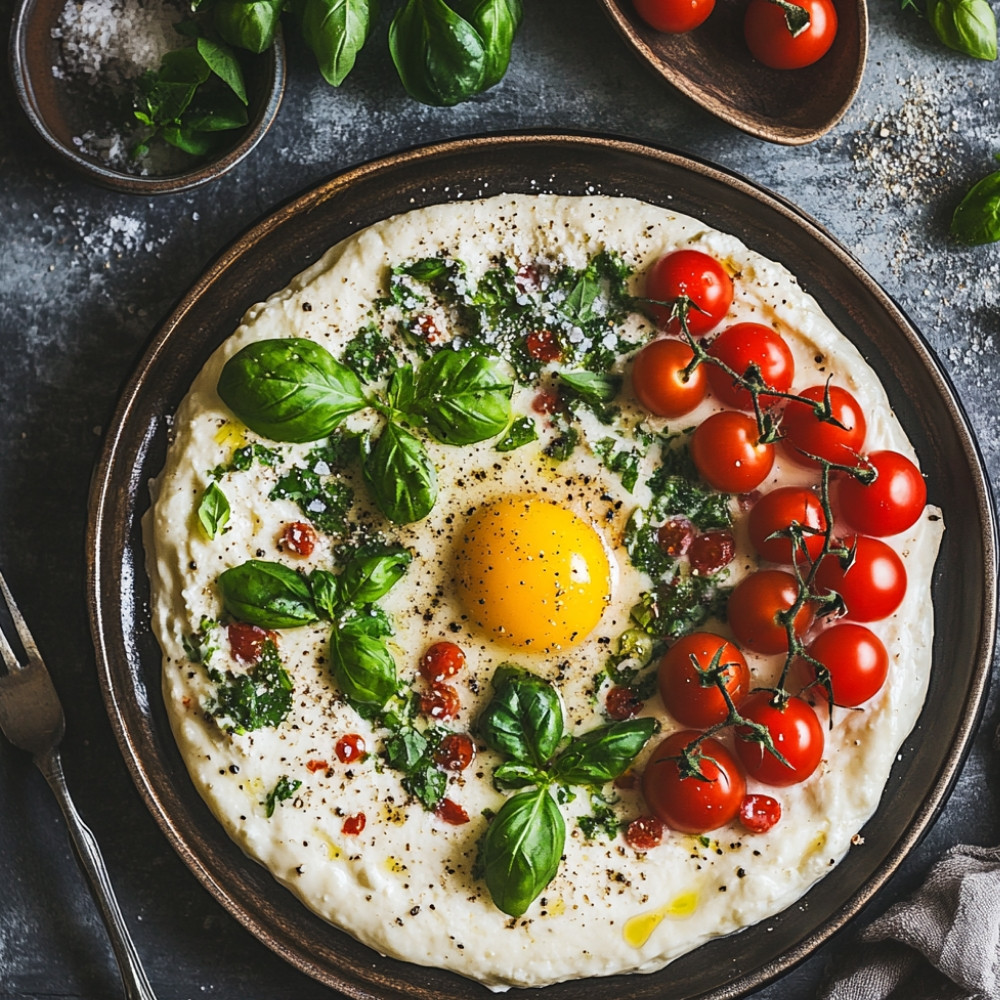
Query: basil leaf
(366,578)
(405,748)
(463,396)
(191,141)
(363,667)
(521,850)
(440,57)
(400,475)
(400,393)
(977,219)
(496,21)
(371,621)
(603,754)
(225,113)
(222,61)
(213,510)
(968,26)
(593,388)
(336,30)
(185,65)
(248,25)
(524,718)
(267,594)
(512,774)
(289,389)
(521,432)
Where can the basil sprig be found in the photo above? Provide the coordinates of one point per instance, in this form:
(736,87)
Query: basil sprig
(968,26)
(445,53)
(293,389)
(520,852)
(977,218)
(272,595)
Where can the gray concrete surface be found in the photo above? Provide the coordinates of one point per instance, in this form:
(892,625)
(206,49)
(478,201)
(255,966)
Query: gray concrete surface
(85,276)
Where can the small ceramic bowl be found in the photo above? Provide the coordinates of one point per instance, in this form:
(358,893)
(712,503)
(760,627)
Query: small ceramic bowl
(56,115)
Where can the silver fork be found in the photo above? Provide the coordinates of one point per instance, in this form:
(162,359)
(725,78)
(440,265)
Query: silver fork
(31,717)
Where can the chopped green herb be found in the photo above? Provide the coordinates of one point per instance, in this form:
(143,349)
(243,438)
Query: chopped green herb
(282,792)
(260,698)
(322,496)
(369,353)
(624,461)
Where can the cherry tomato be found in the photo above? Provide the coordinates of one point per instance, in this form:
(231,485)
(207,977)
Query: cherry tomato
(692,699)
(546,402)
(890,504)
(247,641)
(354,825)
(442,660)
(455,752)
(777,511)
(796,733)
(771,41)
(644,833)
(350,748)
(658,378)
(698,276)
(758,813)
(674,16)
(872,585)
(693,805)
(741,346)
(805,432)
(451,812)
(543,345)
(675,536)
(442,702)
(712,551)
(299,538)
(728,454)
(622,703)
(856,659)
(754,606)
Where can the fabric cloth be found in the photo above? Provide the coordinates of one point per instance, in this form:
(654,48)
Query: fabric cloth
(941,944)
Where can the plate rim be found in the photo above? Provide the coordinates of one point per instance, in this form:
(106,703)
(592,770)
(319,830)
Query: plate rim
(103,489)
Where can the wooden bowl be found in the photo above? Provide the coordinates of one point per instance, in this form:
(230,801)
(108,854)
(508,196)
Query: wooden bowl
(57,118)
(713,66)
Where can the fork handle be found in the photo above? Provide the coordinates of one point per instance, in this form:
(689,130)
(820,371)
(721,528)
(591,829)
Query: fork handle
(89,855)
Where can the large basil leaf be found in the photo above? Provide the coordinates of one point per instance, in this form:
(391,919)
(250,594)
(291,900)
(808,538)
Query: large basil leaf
(603,754)
(440,57)
(248,25)
(464,397)
(977,218)
(223,63)
(336,30)
(496,21)
(363,667)
(968,26)
(267,594)
(400,475)
(366,578)
(289,389)
(521,850)
(524,718)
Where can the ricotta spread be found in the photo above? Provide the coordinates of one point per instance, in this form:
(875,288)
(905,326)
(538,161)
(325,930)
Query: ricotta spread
(349,838)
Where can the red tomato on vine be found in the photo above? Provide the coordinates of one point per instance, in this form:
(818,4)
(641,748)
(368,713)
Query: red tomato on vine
(772,40)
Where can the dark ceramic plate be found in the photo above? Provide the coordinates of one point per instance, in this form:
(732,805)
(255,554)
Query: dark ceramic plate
(264,261)
(713,66)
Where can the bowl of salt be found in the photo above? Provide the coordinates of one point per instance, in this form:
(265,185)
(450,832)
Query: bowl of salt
(136,96)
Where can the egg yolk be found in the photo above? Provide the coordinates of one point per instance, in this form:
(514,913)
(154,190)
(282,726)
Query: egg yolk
(532,574)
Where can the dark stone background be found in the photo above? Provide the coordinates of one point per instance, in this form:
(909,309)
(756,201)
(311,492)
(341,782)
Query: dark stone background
(86,275)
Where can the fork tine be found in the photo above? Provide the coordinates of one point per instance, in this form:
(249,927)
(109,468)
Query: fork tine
(23,635)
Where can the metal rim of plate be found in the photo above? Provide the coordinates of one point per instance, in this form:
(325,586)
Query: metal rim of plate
(263,261)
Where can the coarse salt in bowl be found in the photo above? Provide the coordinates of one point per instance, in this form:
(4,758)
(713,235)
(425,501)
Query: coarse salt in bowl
(75,65)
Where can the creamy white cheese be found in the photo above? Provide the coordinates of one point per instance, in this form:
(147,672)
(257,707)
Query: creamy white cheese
(405,885)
